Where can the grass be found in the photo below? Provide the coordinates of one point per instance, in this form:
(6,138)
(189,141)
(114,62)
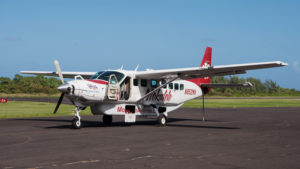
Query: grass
(236,103)
(5,95)
(22,109)
(21,95)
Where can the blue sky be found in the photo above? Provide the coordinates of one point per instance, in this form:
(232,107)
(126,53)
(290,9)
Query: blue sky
(98,35)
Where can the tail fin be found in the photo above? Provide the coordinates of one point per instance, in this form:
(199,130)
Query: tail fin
(206,62)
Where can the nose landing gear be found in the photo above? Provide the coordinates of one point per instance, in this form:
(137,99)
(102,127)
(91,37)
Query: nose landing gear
(76,123)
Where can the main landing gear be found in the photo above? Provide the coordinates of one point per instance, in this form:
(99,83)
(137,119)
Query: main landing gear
(162,120)
(76,123)
(161,116)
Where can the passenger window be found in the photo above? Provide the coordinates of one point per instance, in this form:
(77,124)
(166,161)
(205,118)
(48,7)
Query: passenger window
(153,83)
(162,83)
(176,86)
(170,85)
(144,83)
(135,82)
(181,87)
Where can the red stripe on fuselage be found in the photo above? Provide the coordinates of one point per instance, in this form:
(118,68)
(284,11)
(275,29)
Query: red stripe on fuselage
(99,81)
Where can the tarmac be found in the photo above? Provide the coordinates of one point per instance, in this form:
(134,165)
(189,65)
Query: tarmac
(229,138)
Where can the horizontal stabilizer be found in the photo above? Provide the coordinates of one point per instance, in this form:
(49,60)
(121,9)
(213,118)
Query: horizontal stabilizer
(247,84)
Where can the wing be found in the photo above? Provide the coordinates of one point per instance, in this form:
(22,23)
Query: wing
(199,72)
(85,75)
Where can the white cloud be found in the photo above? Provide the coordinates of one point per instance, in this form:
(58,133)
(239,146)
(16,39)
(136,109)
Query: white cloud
(296,66)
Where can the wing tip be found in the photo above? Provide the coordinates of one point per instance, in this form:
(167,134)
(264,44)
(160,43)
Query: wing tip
(282,63)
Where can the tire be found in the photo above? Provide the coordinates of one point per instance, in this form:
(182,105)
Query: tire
(162,120)
(76,123)
(107,120)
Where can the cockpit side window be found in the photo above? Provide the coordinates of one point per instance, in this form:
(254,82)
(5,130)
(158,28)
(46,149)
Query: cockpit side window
(113,80)
(119,76)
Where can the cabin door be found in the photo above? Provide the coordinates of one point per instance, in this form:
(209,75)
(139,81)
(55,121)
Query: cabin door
(113,88)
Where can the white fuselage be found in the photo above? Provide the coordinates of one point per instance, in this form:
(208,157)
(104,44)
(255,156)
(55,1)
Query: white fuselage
(127,91)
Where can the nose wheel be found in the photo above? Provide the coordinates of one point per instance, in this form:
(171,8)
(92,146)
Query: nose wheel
(76,123)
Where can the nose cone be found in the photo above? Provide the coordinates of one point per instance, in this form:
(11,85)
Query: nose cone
(65,88)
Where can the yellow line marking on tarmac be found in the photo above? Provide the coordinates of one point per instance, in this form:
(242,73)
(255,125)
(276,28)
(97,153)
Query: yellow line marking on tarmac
(82,162)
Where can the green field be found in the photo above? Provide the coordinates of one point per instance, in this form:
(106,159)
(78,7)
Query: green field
(22,109)
(236,103)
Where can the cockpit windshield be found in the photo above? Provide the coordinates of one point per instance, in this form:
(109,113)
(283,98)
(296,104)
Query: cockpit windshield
(104,75)
(96,75)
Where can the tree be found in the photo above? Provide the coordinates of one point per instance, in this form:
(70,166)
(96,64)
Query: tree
(271,86)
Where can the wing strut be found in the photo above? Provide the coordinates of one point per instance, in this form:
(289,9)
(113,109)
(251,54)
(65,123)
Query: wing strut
(161,86)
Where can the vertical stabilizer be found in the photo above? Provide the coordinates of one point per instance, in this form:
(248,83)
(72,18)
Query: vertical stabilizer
(206,62)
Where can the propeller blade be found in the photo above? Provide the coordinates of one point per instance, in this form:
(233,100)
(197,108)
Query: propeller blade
(59,102)
(59,71)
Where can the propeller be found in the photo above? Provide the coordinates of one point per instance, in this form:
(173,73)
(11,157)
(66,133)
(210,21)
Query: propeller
(59,88)
(59,102)
(59,71)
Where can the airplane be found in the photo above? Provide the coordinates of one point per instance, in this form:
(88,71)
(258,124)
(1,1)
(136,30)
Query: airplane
(132,93)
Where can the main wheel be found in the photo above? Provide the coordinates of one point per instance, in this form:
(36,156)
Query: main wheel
(107,120)
(76,123)
(162,120)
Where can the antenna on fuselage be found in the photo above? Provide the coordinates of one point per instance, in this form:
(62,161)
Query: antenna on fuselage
(137,66)
(203,112)
(121,67)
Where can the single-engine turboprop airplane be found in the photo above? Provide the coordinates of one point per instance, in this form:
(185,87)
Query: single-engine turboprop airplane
(143,93)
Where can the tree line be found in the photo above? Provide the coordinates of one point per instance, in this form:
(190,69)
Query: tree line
(29,84)
(266,88)
(41,84)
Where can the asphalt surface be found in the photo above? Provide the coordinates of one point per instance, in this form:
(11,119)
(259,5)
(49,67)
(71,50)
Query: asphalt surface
(230,138)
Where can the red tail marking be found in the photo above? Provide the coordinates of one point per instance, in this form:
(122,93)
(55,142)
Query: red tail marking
(206,62)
